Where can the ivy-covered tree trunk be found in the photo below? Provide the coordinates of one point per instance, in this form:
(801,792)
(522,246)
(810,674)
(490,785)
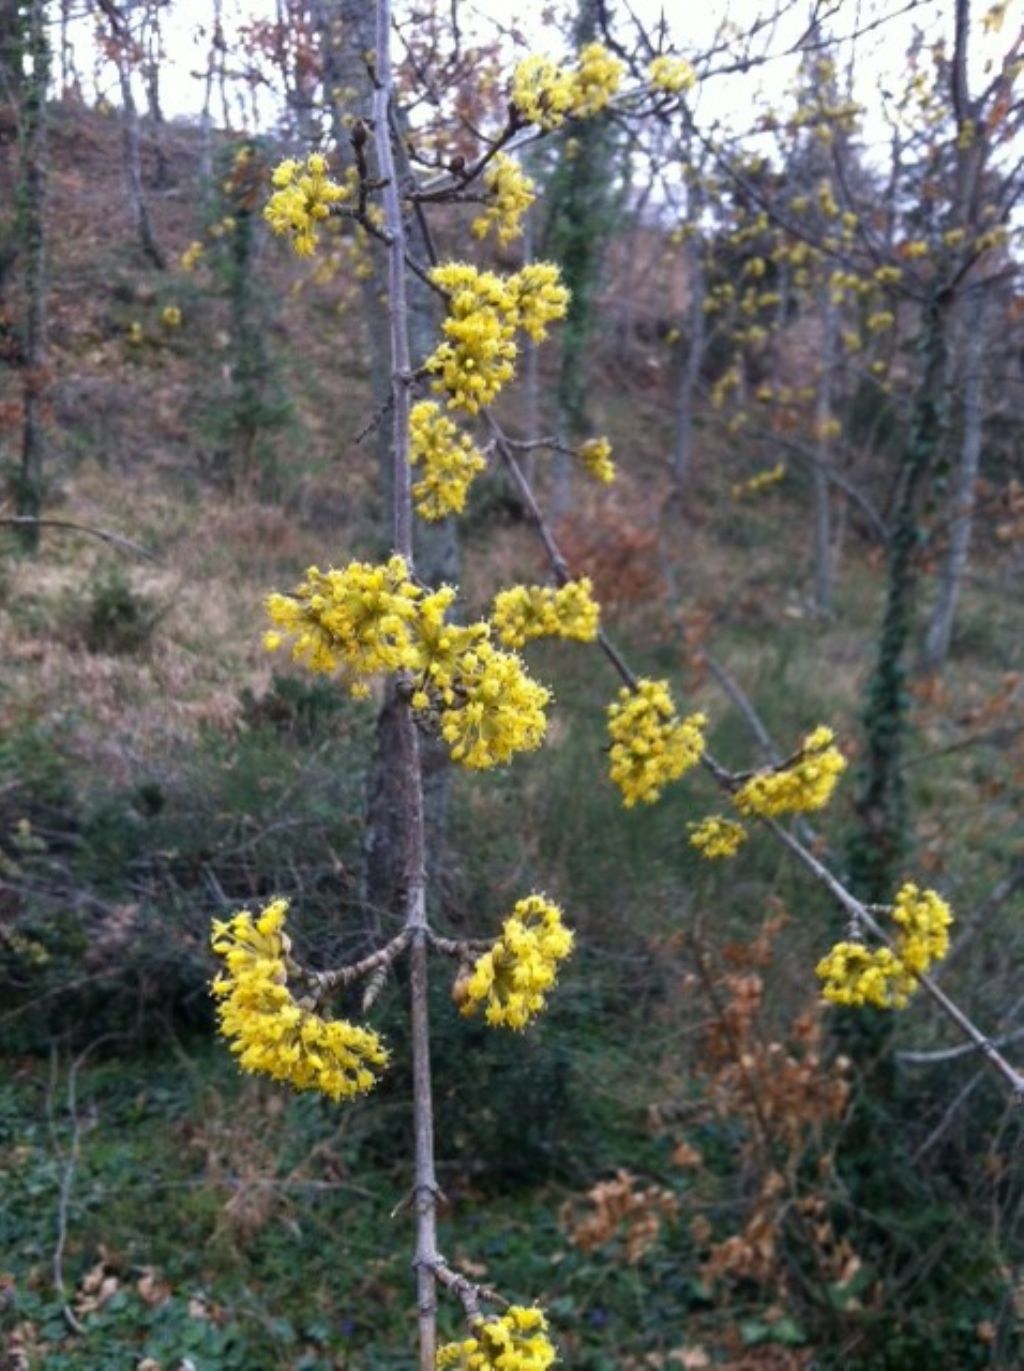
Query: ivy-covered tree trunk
(939,634)
(12,41)
(581,204)
(823,551)
(882,839)
(32,236)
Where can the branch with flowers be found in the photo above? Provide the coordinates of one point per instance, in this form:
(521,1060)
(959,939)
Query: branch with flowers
(467,685)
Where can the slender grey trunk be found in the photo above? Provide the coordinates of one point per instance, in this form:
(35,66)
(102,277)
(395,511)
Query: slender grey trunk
(347,34)
(682,450)
(12,70)
(206,116)
(33,246)
(823,569)
(132,156)
(154,46)
(406,759)
(939,633)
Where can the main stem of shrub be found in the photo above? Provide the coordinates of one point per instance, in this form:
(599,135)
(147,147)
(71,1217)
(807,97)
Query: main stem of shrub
(407,752)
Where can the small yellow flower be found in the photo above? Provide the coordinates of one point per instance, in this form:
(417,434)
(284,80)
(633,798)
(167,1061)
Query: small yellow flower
(170,316)
(356,618)
(515,1341)
(650,745)
(512,979)
(449,462)
(597,77)
(272,1033)
(511,194)
(496,710)
(522,613)
(302,200)
(596,456)
(716,836)
(190,257)
(884,977)
(671,74)
(761,481)
(805,784)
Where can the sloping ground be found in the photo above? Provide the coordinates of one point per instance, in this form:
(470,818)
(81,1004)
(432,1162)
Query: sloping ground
(157,767)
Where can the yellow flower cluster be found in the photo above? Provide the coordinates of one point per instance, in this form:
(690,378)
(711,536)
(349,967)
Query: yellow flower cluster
(923,918)
(546,94)
(596,456)
(449,459)
(540,298)
(367,620)
(885,977)
(170,316)
(497,709)
(596,79)
(525,612)
(651,745)
(479,351)
(513,977)
(512,194)
(671,74)
(803,785)
(302,199)
(190,257)
(516,1341)
(357,618)
(270,1031)
(716,836)
(854,975)
(770,477)
(542,92)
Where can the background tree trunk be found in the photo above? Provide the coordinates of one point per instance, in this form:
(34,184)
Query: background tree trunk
(939,633)
(823,551)
(347,35)
(32,233)
(131,153)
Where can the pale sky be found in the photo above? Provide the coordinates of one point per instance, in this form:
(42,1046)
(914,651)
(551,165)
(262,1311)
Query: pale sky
(732,101)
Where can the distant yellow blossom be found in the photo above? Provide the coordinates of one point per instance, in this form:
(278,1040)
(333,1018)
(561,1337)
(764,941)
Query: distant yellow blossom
(716,836)
(671,74)
(510,194)
(596,456)
(803,785)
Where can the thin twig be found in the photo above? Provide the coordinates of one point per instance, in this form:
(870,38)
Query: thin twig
(104,534)
(67,1182)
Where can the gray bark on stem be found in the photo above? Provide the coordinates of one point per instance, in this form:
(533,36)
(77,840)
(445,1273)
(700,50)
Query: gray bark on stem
(407,757)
